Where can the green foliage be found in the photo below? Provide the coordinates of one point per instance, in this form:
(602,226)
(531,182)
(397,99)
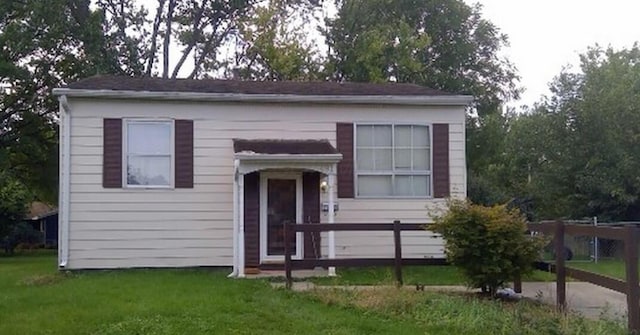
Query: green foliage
(488,244)
(42,46)
(274,44)
(14,198)
(22,234)
(574,154)
(441,44)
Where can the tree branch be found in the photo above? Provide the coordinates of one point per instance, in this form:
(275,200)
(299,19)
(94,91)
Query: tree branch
(154,36)
(207,49)
(167,39)
(197,30)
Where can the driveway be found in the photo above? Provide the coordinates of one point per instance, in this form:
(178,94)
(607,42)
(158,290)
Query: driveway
(591,300)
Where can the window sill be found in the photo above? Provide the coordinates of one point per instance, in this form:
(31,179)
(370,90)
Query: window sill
(147,187)
(428,197)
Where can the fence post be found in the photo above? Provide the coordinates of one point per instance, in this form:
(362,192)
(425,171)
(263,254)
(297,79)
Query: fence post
(561,273)
(633,290)
(287,254)
(398,252)
(596,242)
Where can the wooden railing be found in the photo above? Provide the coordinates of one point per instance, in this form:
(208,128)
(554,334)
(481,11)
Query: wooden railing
(628,234)
(397,261)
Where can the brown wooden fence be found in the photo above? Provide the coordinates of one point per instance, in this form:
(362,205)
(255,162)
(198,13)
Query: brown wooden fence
(629,236)
(397,261)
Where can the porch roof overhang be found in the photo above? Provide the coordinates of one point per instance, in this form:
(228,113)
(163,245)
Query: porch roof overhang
(255,155)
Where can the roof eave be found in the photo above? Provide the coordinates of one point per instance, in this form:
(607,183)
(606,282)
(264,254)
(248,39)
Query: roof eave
(442,100)
(245,156)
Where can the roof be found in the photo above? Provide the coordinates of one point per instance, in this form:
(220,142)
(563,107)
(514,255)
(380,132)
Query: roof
(147,84)
(39,210)
(291,147)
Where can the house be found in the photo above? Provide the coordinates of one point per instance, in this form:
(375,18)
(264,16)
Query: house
(176,173)
(44,218)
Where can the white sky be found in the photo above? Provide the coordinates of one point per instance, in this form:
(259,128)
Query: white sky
(546,35)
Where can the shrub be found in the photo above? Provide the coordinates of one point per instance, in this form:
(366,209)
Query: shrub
(488,244)
(23,234)
(14,197)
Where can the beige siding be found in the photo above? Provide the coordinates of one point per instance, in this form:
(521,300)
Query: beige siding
(193,227)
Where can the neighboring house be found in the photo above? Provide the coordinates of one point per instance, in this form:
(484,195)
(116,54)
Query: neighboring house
(171,173)
(44,218)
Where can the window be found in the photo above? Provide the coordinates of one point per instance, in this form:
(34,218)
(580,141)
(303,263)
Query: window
(393,160)
(148,153)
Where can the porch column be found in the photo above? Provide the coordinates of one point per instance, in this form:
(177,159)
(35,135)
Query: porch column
(331,219)
(241,226)
(236,203)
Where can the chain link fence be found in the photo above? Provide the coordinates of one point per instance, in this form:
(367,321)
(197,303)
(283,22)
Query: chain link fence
(588,248)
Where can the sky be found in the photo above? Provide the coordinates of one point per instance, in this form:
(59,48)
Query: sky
(546,35)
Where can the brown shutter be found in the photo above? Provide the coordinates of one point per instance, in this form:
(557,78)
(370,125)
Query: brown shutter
(311,212)
(441,184)
(112,153)
(252,220)
(184,153)
(344,141)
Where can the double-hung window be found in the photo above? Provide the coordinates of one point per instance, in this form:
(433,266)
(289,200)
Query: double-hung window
(149,153)
(393,160)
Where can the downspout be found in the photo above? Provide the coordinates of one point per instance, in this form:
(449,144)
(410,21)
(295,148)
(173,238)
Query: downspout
(234,272)
(65,183)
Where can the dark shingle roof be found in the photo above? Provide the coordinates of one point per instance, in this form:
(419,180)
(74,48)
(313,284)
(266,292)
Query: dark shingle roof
(293,147)
(121,83)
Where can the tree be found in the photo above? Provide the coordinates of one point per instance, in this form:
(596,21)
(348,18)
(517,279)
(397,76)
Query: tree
(14,197)
(273,43)
(440,44)
(575,153)
(605,128)
(42,45)
(375,41)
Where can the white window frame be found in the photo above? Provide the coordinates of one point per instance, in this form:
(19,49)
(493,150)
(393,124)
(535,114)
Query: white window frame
(125,153)
(393,172)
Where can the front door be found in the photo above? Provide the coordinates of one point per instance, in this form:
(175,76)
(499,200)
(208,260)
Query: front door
(280,201)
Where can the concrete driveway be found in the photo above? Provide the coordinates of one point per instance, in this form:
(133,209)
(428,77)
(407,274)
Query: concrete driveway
(591,300)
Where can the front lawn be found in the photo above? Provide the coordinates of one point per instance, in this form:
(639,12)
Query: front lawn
(612,268)
(36,299)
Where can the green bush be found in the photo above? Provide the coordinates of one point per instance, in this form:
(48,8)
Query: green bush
(14,198)
(23,234)
(488,244)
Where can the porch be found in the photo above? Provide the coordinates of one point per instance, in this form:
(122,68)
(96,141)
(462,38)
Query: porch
(278,181)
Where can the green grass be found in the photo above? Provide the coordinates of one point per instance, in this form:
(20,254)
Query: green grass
(612,268)
(467,314)
(426,275)
(37,299)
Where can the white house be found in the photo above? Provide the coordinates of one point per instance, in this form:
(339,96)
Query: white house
(176,173)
